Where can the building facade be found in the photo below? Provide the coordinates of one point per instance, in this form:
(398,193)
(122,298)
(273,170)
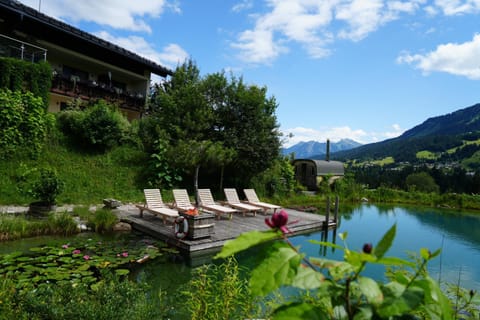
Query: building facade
(84,66)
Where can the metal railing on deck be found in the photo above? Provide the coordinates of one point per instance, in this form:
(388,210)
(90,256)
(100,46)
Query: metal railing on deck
(13,48)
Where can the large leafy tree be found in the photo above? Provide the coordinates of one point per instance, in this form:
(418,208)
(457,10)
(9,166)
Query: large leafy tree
(249,125)
(226,123)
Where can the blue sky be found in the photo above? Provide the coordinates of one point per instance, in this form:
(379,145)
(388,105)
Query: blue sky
(364,69)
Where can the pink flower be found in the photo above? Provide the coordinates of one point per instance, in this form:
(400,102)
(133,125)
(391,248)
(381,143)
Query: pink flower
(278,221)
(125,254)
(86,257)
(76,251)
(65,246)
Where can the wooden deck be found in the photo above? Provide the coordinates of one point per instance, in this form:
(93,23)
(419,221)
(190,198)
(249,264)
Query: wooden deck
(224,229)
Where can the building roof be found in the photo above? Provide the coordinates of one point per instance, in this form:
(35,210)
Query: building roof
(325,167)
(25,19)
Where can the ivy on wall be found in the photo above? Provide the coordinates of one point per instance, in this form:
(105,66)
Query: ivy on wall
(23,123)
(19,75)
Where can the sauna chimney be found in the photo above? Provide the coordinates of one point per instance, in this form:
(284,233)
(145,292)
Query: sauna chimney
(327,154)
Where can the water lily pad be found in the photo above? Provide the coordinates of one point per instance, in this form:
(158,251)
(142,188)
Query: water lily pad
(122,272)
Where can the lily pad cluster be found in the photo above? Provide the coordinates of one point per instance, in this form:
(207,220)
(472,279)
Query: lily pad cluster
(72,262)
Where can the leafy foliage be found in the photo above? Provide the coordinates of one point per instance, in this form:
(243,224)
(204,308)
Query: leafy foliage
(98,128)
(113,298)
(47,187)
(337,289)
(19,75)
(421,181)
(23,123)
(223,121)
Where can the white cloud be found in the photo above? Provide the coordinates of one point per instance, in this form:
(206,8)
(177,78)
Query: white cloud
(295,135)
(461,59)
(170,56)
(301,21)
(315,25)
(243,5)
(119,14)
(456,7)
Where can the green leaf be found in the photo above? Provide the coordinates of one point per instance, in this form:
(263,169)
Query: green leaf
(307,278)
(278,268)
(370,290)
(246,240)
(425,253)
(436,253)
(299,311)
(326,244)
(396,262)
(364,313)
(436,303)
(122,272)
(386,242)
(343,235)
(408,301)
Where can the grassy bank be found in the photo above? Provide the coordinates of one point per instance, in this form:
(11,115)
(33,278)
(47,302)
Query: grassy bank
(88,178)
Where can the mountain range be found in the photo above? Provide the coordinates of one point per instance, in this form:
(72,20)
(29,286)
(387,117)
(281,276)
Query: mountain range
(453,137)
(449,138)
(318,150)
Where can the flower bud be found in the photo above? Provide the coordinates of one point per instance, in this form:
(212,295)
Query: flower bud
(280,219)
(367,248)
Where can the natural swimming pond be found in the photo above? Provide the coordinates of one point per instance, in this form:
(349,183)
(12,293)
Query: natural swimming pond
(457,234)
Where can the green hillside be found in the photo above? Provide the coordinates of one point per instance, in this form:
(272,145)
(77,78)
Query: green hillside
(450,139)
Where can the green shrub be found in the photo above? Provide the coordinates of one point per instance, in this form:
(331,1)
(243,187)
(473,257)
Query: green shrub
(98,128)
(47,187)
(340,289)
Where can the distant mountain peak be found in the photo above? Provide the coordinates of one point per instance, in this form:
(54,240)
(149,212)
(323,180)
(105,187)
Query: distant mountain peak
(315,149)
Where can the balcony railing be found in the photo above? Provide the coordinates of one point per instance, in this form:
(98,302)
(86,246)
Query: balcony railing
(13,48)
(72,86)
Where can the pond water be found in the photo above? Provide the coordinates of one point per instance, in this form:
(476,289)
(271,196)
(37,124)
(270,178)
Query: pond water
(456,234)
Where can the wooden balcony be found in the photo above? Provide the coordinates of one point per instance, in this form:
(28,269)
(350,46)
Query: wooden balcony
(72,86)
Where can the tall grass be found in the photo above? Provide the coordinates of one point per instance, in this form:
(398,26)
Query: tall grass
(110,299)
(17,227)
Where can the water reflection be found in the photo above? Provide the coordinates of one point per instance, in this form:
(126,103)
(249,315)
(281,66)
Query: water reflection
(453,232)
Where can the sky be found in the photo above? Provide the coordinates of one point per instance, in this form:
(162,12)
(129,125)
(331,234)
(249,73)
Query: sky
(365,70)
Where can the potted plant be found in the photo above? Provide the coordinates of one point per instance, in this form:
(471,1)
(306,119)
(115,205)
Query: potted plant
(45,189)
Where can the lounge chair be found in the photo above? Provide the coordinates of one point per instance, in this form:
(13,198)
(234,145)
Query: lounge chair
(252,199)
(207,203)
(182,200)
(234,202)
(154,204)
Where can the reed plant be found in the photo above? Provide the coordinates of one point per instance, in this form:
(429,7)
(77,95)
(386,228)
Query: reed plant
(16,227)
(103,220)
(219,292)
(110,299)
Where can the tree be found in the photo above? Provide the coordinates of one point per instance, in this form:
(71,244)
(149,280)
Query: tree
(191,155)
(249,126)
(421,181)
(216,115)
